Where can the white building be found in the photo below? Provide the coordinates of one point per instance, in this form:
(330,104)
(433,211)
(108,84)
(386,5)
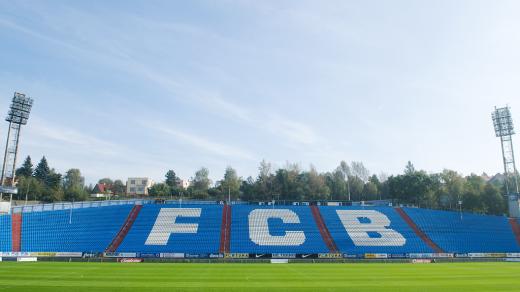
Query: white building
(184,184)
(138,186)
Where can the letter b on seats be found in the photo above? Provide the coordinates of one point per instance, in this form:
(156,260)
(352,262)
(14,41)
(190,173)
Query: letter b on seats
(377,223)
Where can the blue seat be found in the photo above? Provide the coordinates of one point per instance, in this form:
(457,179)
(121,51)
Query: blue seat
(471,233)
(5,233)
(206,239)
(83,230)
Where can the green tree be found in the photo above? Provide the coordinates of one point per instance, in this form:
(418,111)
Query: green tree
(452,189)
(30,186)
(414,188)
(73,186)
(118,187)
(230,184)
(265,182)
(493,200)
(359,170)
(200,184)
(356,188)
(247,190)
(73,179)
(314,186)
(171,179)
(26,169)
(107,181)
(337,185)
(409,168)
(53,180)
(160,190)
(42,170)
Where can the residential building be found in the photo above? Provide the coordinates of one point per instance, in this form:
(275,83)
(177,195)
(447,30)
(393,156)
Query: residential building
(183,183)
(138,186)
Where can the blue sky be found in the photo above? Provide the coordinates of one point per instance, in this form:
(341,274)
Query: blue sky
(131,88)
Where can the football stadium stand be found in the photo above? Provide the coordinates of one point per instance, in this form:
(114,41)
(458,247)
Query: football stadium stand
(175,228)
(75,230)
(203,229)
(465,232)
(371,230)
(284,229)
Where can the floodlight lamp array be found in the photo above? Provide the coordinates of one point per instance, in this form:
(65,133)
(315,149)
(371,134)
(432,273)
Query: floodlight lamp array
(503,122)
(20,109)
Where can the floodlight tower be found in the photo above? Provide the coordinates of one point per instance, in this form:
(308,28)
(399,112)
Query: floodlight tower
(503,124)
(17,116)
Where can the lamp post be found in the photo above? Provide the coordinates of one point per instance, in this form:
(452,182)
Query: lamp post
(17,116)
(504,129)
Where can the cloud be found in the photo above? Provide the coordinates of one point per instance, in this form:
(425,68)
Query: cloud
(202,143)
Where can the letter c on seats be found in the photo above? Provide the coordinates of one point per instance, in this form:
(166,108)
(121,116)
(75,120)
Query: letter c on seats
(259,228)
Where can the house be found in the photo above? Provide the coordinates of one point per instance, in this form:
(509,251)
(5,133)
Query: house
(138,186)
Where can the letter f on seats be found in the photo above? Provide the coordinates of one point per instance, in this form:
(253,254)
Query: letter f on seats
(166,224)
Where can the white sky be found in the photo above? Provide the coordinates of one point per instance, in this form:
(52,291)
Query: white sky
(136,89)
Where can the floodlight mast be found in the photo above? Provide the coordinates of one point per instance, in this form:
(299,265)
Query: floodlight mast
(504,129)
(17,116)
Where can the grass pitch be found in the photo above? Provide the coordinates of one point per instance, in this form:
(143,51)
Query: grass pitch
(54,276)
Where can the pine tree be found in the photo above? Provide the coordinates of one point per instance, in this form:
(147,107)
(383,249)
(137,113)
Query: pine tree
(26,169)
(42,170)
(171,179)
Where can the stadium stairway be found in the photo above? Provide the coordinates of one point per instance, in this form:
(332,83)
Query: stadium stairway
(225,231)
(124,229)
(516,229)
(418,231)
(324,231)
(16,233)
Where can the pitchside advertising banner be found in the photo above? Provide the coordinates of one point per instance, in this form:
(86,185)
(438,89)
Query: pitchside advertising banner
(42,254)
(236,256)
(429,255)
(487,255)
(283,255)
(376,256)
(330,256)
(172,255)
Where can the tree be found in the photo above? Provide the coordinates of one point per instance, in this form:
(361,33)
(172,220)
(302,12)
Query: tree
(42,170)
(415,188)
(356,188)
(493,201)
(107,181)
(452,188)
(30,186)
(359,170)
(409,168)
(230,184)
(337,185)
(160,190)
(247,190)
(264,184)
(171,179)
(73,186)
(200,184)
(287,184)
(53,180)
(118,187)
(73,179)
(26,169)
(314,185)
